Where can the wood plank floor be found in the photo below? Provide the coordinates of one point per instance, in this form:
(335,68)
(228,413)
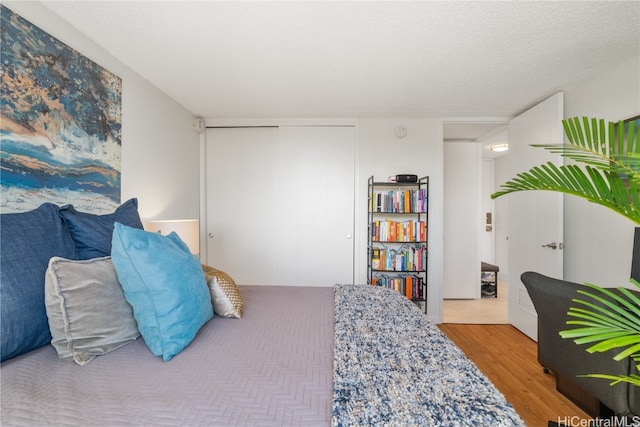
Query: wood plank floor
(509,359)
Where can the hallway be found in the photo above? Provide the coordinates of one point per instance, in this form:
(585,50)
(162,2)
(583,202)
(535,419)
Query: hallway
(487,310)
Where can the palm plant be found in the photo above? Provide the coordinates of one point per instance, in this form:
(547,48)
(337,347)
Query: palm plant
(607,172)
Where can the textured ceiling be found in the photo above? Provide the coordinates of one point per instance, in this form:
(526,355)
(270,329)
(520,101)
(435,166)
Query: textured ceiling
(360,58)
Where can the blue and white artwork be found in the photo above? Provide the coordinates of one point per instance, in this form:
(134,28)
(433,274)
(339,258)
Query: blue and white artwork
(60,123)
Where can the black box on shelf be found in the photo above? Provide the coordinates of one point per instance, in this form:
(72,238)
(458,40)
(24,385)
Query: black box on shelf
(406,178)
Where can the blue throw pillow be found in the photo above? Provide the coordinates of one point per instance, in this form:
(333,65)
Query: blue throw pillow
(164,283)
(27,241)
(92,233)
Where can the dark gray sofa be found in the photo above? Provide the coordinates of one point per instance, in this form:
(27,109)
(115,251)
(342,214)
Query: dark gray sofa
(552,299)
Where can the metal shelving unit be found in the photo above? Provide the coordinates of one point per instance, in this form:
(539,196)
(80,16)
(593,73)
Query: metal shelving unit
(403,206)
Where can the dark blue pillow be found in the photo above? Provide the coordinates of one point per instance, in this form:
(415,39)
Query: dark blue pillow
(28,240)
(92,233)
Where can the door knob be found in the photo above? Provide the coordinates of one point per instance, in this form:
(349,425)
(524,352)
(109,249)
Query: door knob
(210,235)
(552,245)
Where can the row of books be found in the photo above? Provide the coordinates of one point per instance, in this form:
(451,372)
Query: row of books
(400,201)
(398,231)
(404,259)
(410,286)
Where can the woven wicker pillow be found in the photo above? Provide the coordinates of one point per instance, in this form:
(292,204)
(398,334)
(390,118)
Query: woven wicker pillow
(225,296)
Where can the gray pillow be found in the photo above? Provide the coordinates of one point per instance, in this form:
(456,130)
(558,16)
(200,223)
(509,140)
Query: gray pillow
(88,314)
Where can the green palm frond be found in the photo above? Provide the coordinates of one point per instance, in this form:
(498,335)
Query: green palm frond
(609,321)
(633,379)
(601,146)
(609,176)
(605,188)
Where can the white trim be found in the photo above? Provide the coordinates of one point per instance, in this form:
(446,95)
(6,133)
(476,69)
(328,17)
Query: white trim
(203,196)
(360,241)
(247,122)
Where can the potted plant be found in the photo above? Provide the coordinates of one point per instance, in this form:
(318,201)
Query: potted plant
(607,172)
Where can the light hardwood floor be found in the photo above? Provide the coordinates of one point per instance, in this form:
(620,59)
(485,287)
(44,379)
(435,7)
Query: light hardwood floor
(509,359)
(487,310)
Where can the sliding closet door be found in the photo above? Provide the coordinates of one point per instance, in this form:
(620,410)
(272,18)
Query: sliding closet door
(241,213)
(280,204)
(316,188)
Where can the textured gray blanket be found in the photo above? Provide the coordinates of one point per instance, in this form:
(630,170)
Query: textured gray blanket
(273,367)
(392,367)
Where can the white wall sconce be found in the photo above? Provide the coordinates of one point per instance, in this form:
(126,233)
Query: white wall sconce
(187,229)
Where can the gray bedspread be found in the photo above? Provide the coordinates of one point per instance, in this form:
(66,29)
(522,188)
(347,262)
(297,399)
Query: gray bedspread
(273,367)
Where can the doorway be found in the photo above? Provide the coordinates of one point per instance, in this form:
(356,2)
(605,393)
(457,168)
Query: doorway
(470,141)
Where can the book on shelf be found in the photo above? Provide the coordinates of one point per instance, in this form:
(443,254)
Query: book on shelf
(403,259)
(410,286)
(400,201)
(375,258)
(398,231)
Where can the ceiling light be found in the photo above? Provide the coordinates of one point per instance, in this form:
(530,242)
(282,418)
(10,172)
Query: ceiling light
(499,147)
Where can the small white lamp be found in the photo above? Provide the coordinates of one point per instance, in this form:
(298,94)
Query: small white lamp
(187,229)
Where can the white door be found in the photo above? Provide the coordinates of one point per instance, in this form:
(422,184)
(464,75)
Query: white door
(535,217)
(280,204)
(241,191)
(316,205)
(462,220)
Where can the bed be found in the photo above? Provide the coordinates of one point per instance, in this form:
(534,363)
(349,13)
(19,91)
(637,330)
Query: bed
(341,355)
(277,366)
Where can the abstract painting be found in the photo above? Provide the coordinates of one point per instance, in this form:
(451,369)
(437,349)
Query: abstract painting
(60,123)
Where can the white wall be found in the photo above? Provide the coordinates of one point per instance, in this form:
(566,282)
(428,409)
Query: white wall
(420,152)
(462,182)
(598,242)
(486,240)
(160,150)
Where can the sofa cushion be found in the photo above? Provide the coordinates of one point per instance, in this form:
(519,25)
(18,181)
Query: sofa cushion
(88,314)
(92,233)
(27,241)
(165,285)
